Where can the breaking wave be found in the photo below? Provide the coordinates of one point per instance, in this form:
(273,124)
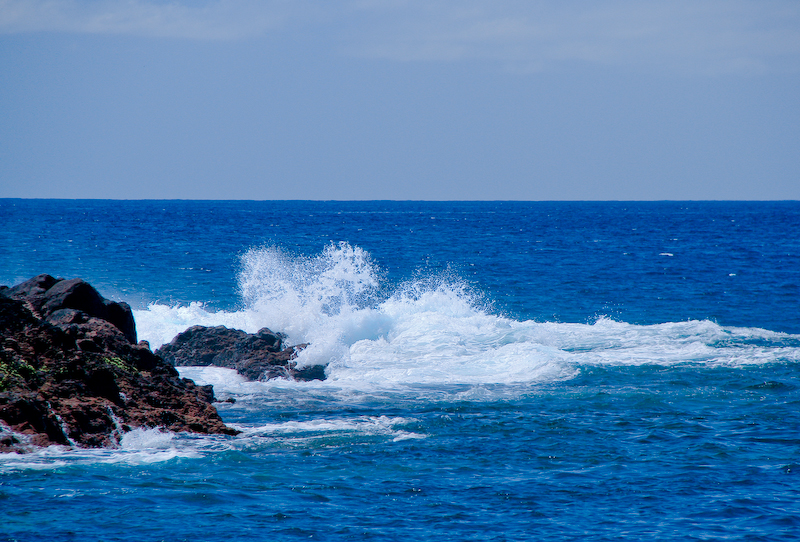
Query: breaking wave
(436,330)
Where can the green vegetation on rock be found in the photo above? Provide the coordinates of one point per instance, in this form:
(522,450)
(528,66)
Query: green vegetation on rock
(120,363)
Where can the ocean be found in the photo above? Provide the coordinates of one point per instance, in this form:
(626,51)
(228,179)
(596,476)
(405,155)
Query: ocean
(495,371)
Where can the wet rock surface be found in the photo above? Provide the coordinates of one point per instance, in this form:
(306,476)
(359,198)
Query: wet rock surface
(256,356)
(72,373)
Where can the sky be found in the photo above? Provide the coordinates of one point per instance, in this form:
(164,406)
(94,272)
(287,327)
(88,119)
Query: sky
(400,99)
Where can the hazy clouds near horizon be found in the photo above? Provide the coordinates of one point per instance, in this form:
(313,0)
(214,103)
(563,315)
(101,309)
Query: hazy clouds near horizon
(400,99)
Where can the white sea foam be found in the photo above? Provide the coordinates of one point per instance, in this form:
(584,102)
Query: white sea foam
(138,447)
(305,431)
(433,331)
(147,439)
(227,382)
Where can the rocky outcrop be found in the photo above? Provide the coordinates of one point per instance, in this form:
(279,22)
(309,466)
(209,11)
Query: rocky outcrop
(47,297)
(71,372)
(258,356)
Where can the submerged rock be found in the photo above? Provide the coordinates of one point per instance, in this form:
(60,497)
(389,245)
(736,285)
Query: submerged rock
(257,356)
(72,373)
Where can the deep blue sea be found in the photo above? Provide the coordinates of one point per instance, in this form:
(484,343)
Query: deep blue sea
(496,371)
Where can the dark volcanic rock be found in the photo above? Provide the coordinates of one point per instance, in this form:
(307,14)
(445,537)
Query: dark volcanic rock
(70,373)
(258,356)
(45,295)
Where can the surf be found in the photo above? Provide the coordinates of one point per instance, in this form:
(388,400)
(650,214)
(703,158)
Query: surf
(437,329)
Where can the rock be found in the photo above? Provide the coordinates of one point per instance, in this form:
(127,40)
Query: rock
(206,393)
(258,356)
(46,295)
(312,372)
(32,289)
(70,373)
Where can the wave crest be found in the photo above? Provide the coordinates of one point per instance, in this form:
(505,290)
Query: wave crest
(435,330)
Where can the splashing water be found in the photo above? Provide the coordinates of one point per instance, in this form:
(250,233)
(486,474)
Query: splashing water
(327,300)
(432,330)
(339,280)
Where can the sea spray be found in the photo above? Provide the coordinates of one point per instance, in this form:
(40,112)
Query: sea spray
(433,329)
(340,279)
(328,300)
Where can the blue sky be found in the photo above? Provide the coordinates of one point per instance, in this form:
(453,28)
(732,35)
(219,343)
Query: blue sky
(430,100)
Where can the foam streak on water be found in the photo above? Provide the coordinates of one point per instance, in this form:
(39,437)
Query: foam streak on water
(433,330)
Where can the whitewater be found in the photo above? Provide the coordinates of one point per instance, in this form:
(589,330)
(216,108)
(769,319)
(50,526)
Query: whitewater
(496,371)
(437,330)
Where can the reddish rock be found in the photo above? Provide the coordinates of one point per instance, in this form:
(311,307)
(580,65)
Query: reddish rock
(257,356)
(70,373)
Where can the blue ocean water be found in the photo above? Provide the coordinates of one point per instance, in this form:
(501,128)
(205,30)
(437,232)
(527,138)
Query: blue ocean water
(496,370)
